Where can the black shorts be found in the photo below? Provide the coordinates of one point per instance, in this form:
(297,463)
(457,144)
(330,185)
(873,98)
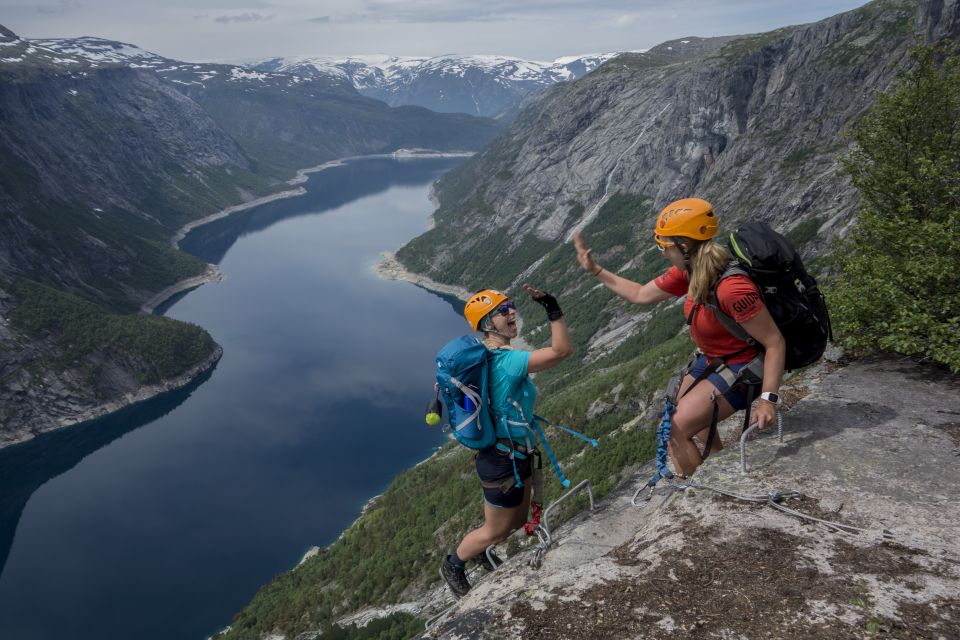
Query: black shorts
(494,465)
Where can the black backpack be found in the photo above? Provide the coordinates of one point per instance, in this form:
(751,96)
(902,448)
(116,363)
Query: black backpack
(789,292)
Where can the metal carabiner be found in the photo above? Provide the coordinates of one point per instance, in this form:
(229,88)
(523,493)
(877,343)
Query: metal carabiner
(646,498)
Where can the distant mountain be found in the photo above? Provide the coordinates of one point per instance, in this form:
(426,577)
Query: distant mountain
(478,85)
(99,52)
(284,119)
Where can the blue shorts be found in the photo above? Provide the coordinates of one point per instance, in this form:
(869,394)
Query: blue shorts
(734,396)
(494,465)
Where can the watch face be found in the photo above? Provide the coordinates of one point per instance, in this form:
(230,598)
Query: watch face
(770,397)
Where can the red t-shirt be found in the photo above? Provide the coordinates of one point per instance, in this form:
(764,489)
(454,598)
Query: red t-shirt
(738,297)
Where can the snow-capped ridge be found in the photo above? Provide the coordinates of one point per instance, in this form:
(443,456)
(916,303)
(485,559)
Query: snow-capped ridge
(479,84)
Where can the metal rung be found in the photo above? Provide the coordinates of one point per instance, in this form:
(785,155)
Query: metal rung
(546,512)
(748,431)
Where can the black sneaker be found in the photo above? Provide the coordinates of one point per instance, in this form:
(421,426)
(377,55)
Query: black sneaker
(455,577)
(482,560)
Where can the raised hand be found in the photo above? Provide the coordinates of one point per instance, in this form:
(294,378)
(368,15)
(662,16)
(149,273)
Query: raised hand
(545,300)
(584,255)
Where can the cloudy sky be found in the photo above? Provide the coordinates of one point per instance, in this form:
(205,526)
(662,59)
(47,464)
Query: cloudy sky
(206,30)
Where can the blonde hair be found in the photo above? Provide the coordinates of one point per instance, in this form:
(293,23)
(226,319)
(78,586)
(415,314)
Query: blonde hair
(707,261)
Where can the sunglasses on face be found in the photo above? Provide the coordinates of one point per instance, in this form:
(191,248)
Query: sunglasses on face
(505,308)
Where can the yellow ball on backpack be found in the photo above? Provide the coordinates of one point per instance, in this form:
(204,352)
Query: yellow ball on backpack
(433,419)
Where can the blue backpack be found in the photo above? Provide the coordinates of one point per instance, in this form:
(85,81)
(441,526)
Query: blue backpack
(462,371)
(463,368)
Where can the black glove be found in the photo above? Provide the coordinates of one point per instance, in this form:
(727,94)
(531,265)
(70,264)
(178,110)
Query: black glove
(549,303)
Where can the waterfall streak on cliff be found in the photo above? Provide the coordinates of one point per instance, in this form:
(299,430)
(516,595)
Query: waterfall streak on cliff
(587,219)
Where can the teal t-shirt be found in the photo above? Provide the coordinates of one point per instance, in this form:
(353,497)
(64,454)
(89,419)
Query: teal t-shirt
(509,382)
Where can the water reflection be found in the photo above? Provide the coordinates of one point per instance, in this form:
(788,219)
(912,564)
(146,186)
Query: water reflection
(26,467)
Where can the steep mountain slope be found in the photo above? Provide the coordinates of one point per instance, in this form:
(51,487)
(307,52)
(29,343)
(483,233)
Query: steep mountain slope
(478,85)
(753,124)
(105,152)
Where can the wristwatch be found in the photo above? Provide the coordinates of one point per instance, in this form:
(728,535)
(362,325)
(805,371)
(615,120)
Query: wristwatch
(769,396)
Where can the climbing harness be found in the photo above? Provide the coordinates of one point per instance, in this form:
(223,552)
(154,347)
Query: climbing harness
(748,376)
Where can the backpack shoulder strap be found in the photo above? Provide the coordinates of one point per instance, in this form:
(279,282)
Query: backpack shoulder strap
(731,325)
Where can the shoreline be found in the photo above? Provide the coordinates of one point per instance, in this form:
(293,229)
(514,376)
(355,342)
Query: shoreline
(389,268)
(148,392)
(133,397)
(213,273)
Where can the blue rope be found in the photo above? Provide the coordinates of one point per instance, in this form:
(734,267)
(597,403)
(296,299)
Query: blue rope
(592,441)
(663,439)
(553,459)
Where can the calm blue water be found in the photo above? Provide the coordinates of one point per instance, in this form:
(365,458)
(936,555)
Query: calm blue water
(164,520)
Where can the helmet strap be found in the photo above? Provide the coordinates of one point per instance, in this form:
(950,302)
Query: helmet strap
(492,330)
(498,334)
(685,249)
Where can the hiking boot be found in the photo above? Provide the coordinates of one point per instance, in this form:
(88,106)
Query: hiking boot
(482,560)
(455,577)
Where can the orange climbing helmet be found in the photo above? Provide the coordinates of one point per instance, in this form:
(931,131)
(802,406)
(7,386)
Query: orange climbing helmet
(480,304)
(689,218)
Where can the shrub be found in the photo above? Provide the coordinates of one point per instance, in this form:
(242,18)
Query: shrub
(900,288)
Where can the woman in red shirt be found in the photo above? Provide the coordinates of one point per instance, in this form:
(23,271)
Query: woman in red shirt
(684,233)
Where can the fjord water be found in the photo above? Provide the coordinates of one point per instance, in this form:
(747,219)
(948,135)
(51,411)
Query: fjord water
(163,520)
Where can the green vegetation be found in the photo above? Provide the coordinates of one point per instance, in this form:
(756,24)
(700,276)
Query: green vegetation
(900,288)
(742,47)
(113,251)
(879,25)
(899,292)
(396,627)
(805,231)
(155,347)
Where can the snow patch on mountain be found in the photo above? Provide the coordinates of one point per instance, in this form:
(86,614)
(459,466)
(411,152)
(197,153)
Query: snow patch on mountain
(478,84)
(98,52)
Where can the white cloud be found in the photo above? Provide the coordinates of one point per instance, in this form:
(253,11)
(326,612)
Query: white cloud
(63,7)
(532,29)
(245,17)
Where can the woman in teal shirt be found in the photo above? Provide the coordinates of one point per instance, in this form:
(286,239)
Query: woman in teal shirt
(512,396)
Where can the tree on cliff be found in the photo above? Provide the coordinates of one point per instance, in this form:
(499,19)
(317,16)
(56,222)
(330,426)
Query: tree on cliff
(899,289)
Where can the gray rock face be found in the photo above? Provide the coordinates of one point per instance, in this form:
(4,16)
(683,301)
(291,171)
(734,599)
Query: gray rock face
(754,124)
(872,445)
